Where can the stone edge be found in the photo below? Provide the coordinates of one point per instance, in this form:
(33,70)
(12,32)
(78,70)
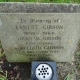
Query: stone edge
(24,7)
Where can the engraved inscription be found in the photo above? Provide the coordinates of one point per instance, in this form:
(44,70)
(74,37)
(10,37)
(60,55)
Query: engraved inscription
(36,41)
(39,36)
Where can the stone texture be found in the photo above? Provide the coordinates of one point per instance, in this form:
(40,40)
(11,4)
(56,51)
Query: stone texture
(21,7)
(34,36)
(7,33)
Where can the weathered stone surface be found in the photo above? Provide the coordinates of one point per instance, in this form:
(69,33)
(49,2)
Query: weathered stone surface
(21,7)
(33,36)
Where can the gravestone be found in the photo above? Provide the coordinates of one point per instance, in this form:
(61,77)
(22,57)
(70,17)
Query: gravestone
(27,37)
(39,34)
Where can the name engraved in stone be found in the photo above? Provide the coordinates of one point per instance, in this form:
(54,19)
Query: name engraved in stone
(52,38)
(53,27)
(23,27)
(24,38)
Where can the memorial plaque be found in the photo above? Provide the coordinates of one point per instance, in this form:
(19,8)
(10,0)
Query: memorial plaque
(39,36)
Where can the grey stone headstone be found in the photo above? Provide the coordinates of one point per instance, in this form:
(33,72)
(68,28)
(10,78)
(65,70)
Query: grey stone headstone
(33,36)
(14,37)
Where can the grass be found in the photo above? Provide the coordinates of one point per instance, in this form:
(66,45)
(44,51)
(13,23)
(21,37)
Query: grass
(51,1)
(77,56)
(0,45)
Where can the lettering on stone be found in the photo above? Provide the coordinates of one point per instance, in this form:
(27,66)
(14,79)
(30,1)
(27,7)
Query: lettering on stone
(46,36)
